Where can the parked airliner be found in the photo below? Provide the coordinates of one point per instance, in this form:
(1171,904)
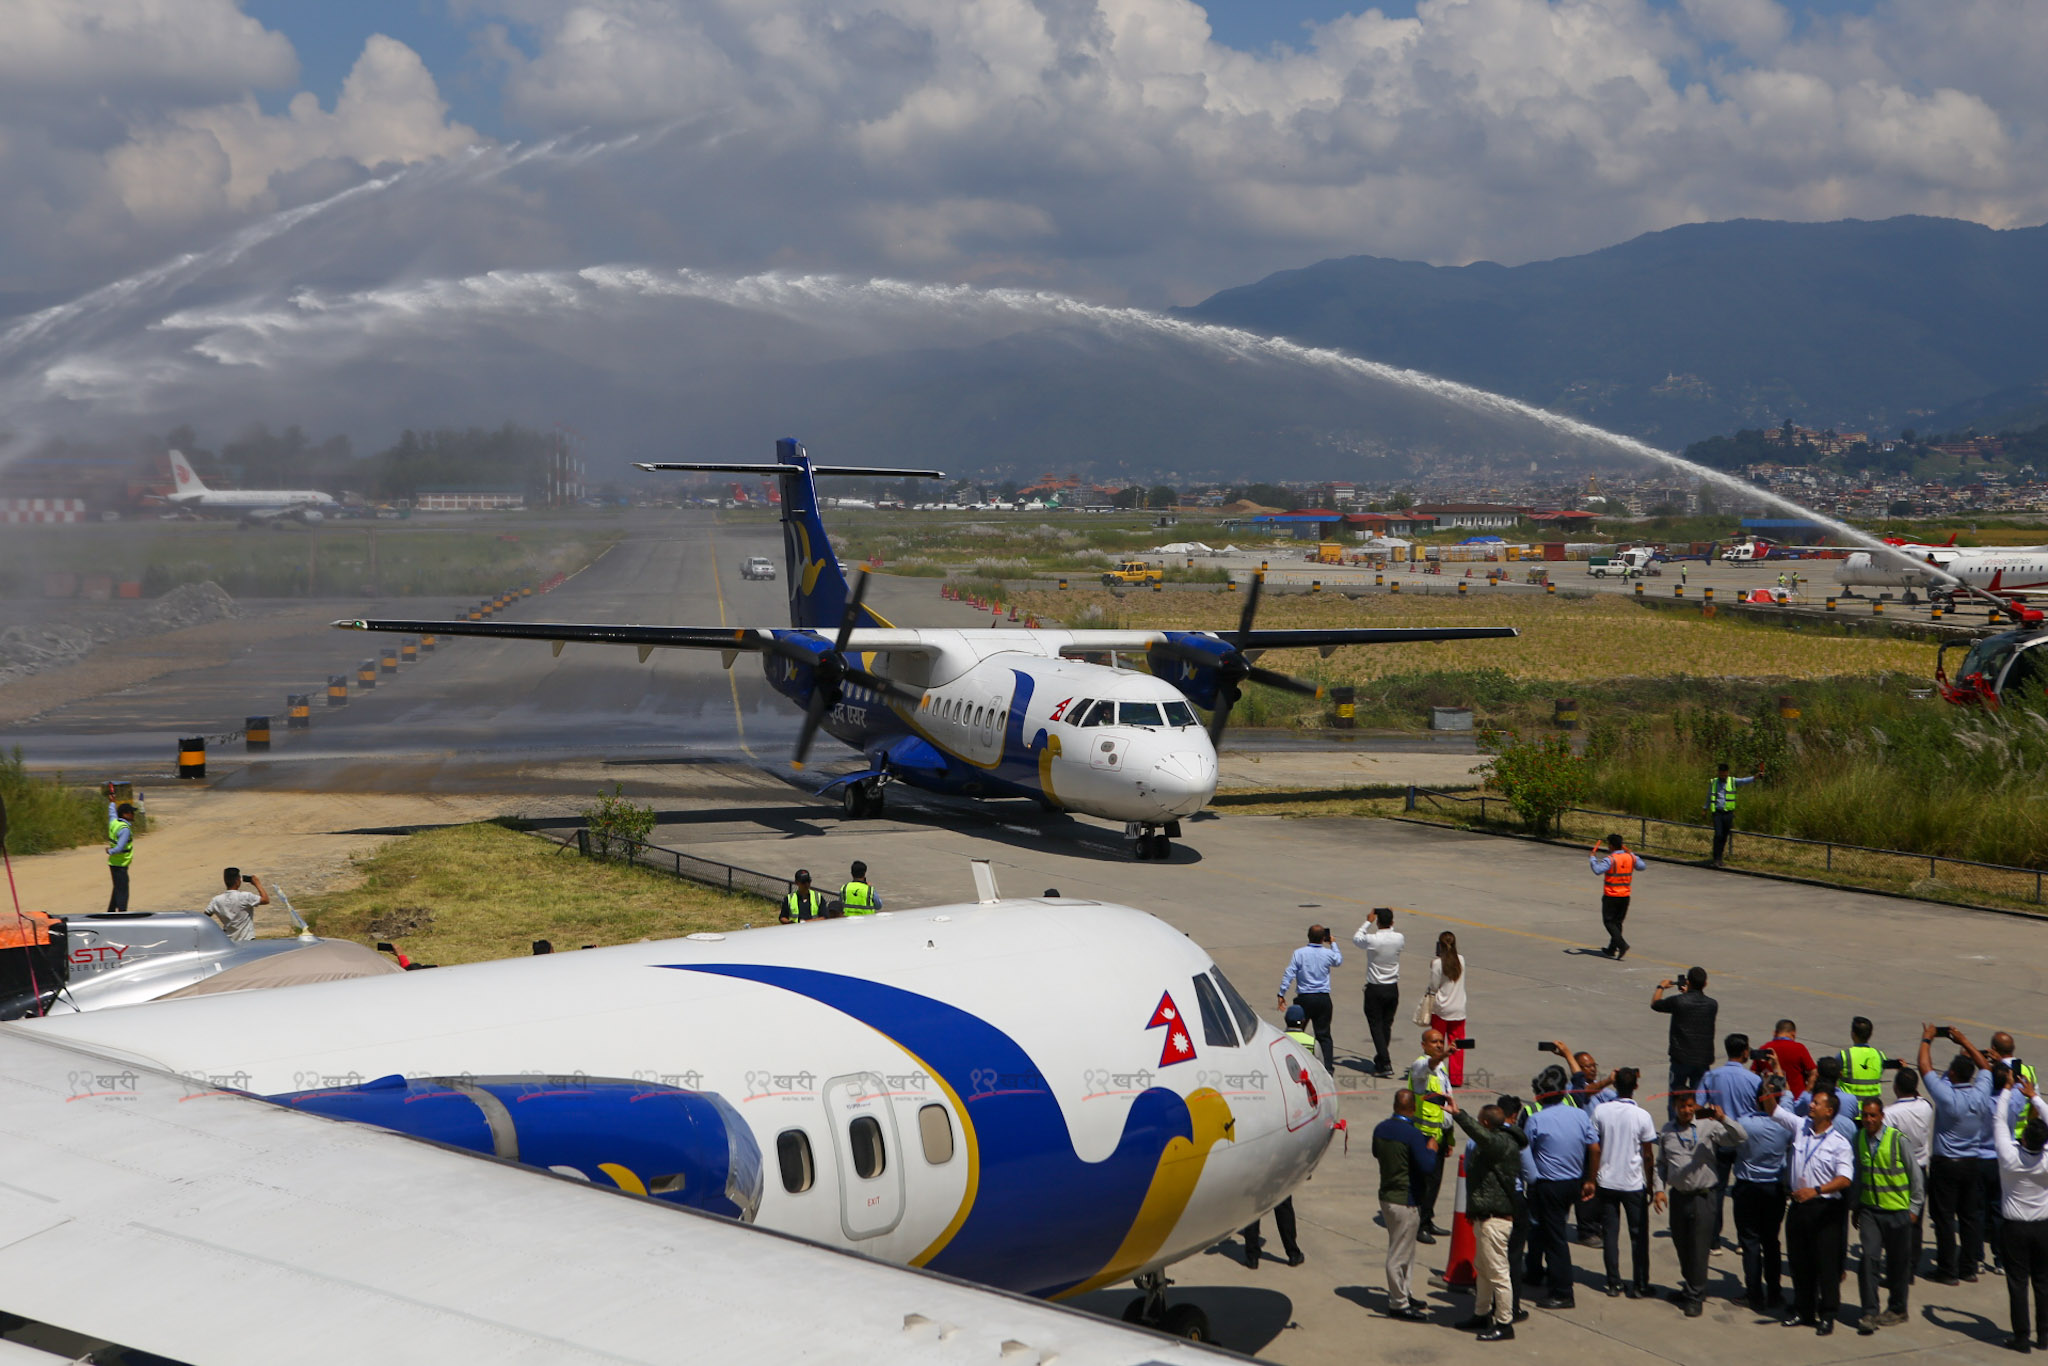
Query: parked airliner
(1940,568)
(990,712)
(251,505)
(1046,1096)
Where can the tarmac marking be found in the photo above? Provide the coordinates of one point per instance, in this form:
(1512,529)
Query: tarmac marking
(739,719)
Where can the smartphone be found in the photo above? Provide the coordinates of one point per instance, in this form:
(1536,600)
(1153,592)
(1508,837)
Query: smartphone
(1466,1043)
(1943,1032)
(1546,1046)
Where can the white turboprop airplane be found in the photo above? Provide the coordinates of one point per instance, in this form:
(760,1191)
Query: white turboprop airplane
(251,505)
(1043,1096)
(983,713)
(1996,569)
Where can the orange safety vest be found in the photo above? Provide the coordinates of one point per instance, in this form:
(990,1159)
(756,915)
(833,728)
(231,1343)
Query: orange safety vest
(1621,867)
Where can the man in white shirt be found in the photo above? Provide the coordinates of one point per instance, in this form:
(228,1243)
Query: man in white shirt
(1382,944)
(235,908)
(1628,1166)
(1913,1117)
(2023,1182)
(1819,1167)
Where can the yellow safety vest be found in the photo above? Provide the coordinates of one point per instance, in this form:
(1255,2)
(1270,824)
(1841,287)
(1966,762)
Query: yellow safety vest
(1429,1116)
(126,856)
(1306,1040)
(1721,794)
(1881,1180)
(2025,1107)
(1862,1071)
(795,911)
(858,898)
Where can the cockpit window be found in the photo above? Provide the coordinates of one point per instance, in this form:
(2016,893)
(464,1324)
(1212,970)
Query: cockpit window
(1103,714)
(1139,714)
(1215,1025)
(1247,1018)
(1179,714)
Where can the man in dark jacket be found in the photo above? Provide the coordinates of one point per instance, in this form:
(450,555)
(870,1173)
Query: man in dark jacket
(1406,1156)
(1693,1016)
(1491,1170)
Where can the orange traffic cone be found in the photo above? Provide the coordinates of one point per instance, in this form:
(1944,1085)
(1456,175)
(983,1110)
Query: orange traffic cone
(1461,1273)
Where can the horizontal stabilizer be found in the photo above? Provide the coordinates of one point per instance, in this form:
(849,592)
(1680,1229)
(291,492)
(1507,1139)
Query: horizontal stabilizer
(861,470)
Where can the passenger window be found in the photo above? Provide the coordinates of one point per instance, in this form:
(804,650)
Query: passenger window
(1241,1009)
(1215,1028)
(1179,714)
(865,1139)
(793,1153)
(1139,714)
(935,1128)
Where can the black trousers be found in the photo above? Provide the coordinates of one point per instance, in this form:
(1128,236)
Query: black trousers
(1283,1224)
(1634,1206)
(1692,1238)
(2026,1265)
(118,899)
(1550,1243)
(1518,1247)
(1887,1248)
(1434,1183)
(1613,911)
(1759,1212)
(1382,1003)
(1816,1240)
(1993,1201)
(1316,1005)
(1955,1199)
(1724,826)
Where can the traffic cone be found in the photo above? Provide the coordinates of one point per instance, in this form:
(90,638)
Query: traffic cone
(1461,1274)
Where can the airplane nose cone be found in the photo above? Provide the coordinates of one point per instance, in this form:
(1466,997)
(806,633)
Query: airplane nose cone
(1182,781)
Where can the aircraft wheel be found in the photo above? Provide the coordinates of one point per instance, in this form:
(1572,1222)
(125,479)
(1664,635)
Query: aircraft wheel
(1143,849)
(872,802)
(1134,1312)
(1162,847)
(851,803)
(1187,1321)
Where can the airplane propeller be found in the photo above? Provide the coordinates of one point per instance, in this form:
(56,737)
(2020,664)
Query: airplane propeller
(1233,669)
(830,673)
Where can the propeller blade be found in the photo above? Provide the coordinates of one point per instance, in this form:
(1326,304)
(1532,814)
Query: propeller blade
(888,687)
(814,714)
(1226,698)
(1284,682)
(852,616)
(1251,608)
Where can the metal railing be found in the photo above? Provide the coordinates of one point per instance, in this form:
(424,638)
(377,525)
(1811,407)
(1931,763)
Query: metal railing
(691,868)
(1828,857)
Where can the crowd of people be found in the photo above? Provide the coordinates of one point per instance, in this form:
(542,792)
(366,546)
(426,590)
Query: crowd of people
(1797,1156)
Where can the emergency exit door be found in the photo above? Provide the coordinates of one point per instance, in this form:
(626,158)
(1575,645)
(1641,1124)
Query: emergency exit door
(867,1154)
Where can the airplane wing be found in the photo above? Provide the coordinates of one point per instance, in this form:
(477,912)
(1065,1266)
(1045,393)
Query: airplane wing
(731,640)
(201,1225)
(1326,640)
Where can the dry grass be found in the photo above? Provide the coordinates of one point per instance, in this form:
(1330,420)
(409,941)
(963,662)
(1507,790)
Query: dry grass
(491,892)
(1566,640)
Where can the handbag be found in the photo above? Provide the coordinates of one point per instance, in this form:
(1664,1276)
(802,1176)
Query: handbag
(1425,1008)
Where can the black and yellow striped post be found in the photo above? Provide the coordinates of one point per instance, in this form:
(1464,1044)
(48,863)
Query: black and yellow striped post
(1677,590)
(1394,587)
(1549,587)
(1707,594)
(1639,588)
(409,650)
(1564,713)
(1379,579)
(337,690)
(1461,587)
(366,675)
(1159,585)
(1788,708)
(476,614)
(298,711)
(1063,585)
(256,734)
(1346,700)
(192,757)
(387,659)
(1991,618)
(1877,609)
(1230,585)
(525,590)
(427,644)
(1831,604)
(1315,585)
(1263,566)
(1934,612)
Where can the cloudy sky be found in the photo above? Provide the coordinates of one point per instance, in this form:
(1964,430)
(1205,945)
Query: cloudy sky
(1140,152)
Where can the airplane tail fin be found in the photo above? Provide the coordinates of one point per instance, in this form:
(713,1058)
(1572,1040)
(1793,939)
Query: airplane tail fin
(817,585)
(183,480)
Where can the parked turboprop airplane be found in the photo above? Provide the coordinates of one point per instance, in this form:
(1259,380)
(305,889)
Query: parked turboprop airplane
(983,713)
(251,505)
(1940,568)
(1046,1096)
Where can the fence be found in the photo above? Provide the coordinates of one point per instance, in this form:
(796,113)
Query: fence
(691,868)
(1824,858)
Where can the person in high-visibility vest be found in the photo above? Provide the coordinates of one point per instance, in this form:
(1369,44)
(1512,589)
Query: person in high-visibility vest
(1721,806)
(802,903)
(1889,1196)
(1429,1077)
(120,852)
(858,897)
(1862,1065)
(1617,868)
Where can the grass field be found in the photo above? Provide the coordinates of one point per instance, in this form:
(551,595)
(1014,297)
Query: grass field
(47,813)
(340,559)
(489,892)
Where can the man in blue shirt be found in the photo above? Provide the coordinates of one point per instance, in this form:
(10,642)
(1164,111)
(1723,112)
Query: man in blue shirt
(1308,973)
(1963,1145)
(1759,1200)
(1731,1087)
(1563,1154)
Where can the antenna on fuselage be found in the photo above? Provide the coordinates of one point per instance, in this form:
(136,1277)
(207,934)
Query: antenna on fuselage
(985,891)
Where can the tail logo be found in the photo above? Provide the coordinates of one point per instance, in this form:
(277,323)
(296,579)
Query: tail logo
(812,567)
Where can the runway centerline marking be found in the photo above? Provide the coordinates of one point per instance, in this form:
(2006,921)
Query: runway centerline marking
(739,719)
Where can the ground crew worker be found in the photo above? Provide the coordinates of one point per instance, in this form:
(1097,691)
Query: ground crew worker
(1283,1213)
(1721,805)
(858,895)
(1862,1066)
(120,852)
(1617,870)
(1889,1195)
(802,903)
(1429,1077)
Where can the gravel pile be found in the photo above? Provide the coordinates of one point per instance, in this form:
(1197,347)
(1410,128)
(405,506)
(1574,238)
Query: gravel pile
(33,647)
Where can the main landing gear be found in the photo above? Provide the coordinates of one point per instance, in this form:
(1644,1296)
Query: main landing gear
(1150,1308)
(1152,841)
(862,801)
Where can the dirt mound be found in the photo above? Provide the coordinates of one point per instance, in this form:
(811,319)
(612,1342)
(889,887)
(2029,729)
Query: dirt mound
(402,921)
(34,646)
(190,604)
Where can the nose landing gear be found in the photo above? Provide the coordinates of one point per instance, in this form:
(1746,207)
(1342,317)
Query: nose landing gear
(1150,1308)
(1152,841)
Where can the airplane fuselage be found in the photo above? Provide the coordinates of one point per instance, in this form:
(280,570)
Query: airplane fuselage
(1994,569)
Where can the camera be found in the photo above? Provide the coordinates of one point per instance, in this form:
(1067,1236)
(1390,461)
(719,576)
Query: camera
(1546,1046)
(1944,1032)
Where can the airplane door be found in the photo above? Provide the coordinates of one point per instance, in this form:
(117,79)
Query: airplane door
(869,1157)
(1298,1086)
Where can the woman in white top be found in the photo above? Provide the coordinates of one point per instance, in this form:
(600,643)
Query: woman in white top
(1447,989)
